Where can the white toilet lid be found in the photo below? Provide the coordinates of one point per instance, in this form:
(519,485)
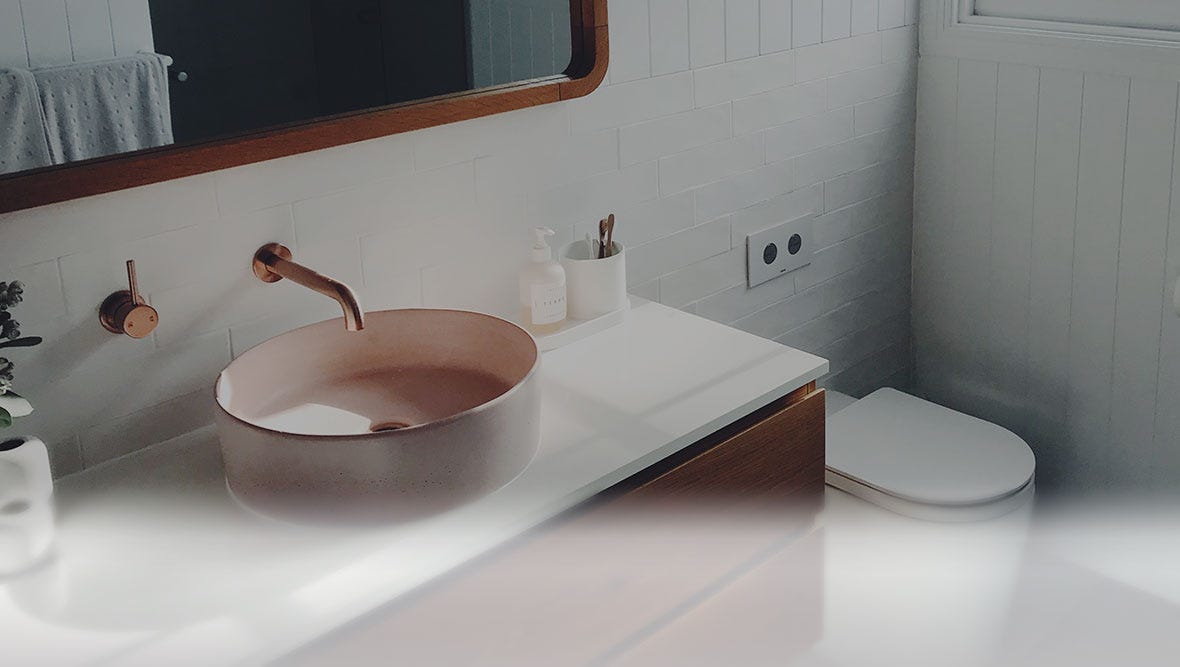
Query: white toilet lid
(922,452)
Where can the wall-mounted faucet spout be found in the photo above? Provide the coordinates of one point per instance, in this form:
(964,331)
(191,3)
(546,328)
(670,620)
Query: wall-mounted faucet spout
(273,262)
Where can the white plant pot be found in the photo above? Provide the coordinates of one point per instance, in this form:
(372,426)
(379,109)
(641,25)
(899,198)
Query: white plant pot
(26,504)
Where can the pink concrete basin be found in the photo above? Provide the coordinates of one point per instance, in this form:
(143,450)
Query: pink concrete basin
(420,411)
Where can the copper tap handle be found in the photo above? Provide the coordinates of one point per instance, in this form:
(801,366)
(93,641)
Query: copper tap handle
(126,311)
(133,283)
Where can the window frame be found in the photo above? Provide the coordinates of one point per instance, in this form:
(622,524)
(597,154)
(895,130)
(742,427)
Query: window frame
(1062,11)
(968,16)
(951,28)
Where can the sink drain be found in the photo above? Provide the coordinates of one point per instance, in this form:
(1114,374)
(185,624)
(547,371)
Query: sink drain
(384,427)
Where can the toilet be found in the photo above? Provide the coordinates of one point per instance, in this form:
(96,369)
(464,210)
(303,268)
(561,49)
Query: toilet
(926,522)
(921,460)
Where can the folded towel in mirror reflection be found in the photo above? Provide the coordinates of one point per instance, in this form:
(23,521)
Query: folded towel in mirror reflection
(101,108)
(23,143)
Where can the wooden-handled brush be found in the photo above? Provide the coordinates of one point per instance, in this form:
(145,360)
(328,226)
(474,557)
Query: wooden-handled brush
(610,234)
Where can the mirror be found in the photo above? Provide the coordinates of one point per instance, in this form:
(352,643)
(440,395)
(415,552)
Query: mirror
(83,81)
(242,66)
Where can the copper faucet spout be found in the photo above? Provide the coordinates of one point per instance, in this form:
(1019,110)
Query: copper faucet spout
(273,262)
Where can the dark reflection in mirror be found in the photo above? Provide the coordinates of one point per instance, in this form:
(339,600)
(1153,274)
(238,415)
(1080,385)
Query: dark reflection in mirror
(139,74)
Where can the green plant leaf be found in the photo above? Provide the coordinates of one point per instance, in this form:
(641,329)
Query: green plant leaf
(5,418)
(14,405)
(28,341)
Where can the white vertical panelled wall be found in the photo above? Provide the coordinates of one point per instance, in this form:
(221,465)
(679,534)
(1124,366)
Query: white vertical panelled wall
(43,33)
(715,122)
(1047,248)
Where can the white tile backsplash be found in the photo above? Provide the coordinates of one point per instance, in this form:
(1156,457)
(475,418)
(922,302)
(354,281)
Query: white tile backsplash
(884,112)
(158,423)
(900,43)
(49,232)
(463,142)
(630,44)
(912,10)
(741,29)
(782,316)
(652,260)
(807,22)
(669,37)
(766,110)
(866,183)
(864,16)
(697,281)
(808,134)
(653,139)
(737,302)
(567,205)
(44,296)
(526,167)
(700,136)
(837,21)
(710,163)
(743,190)
(706,27)
(266,184)
(722,83)
(891,14)
(843,158)
(770,212)
(872,83)
(832,58)
(775,26)
(627,103)
(646,222)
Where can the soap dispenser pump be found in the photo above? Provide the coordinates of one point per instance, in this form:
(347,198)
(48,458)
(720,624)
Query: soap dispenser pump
(542,288)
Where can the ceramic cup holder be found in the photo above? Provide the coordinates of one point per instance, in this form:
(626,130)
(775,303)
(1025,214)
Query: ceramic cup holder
(594,287)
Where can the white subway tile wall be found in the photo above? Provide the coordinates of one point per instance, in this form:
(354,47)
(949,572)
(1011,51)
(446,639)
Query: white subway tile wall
(807,22)
(837,19)
(711,127)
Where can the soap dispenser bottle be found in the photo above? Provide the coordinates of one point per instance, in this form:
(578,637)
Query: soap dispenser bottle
(542,288)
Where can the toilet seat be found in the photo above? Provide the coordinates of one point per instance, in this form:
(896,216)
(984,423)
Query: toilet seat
(921,459)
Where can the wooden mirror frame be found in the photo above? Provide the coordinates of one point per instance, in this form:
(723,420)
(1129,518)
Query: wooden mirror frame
(60,183)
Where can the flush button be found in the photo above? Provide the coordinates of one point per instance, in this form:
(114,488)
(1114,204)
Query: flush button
(770,254)
(779,250)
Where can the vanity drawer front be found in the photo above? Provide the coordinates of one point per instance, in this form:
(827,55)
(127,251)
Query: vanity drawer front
(574,594)
(588,587)
(776,454)
(771,614)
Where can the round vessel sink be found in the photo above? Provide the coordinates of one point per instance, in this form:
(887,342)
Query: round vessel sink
(420,411)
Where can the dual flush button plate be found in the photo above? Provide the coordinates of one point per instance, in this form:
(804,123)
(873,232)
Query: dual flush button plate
(779,250)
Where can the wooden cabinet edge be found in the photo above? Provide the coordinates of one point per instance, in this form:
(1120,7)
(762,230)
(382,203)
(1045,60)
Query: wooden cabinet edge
(705,470)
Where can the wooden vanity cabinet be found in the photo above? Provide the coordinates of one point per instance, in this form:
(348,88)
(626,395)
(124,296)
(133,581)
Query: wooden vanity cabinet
(774,454)
(715,545)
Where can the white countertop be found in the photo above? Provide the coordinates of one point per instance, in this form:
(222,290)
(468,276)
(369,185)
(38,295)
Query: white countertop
(156,565)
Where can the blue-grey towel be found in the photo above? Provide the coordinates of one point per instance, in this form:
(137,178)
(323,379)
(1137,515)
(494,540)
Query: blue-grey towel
(106,107)
(23,143)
